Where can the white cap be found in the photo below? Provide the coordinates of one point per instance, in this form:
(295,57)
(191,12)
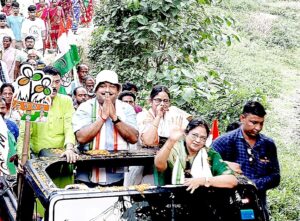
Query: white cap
(107,76)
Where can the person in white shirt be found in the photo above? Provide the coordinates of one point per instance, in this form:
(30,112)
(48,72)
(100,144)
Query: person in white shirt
(35,27)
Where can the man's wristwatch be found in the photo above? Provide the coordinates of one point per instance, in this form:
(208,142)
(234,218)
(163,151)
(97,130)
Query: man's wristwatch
(207,183)
(116,121)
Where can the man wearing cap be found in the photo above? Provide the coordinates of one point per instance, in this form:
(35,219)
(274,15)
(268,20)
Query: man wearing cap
(105,123)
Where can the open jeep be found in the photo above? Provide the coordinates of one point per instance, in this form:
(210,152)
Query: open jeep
(136,202)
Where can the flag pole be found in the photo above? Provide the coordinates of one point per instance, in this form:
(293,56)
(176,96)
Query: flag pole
(24,158)
(76,78)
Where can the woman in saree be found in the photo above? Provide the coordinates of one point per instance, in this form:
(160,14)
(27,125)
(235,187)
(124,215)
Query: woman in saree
(54,16)
(86,12)
(154,128)
(41,6)
(154,124)
(191,162)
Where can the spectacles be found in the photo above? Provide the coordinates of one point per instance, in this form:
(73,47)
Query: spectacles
(158,100)
(251,155)
(196,136)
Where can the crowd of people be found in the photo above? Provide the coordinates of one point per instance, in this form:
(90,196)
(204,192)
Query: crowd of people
(103,114)
(26,37)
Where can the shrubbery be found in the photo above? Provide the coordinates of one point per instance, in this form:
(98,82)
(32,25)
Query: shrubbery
(163,42)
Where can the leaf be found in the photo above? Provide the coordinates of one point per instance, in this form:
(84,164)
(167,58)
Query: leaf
(228,22)
(155,6)
(204,58)
(228,41)
(203,1)
(104,36)
(155,30)
(128,20)
(142,19)
(174,88)
(213,73)
(117,41)
(188,94)
(187,73)
(136,4)
(236,37)
(151,74)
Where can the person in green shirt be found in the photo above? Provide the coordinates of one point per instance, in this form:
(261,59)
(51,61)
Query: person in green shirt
(192,163)
(57,131)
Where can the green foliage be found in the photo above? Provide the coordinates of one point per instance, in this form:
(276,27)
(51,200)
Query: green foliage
(162,42)
(284,35)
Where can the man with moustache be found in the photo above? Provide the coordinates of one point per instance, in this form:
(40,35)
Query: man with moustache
(104,123)
(82,72)
(248,151)
(79,96)
(56,132)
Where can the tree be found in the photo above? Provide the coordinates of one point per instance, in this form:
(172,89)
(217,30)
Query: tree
(151,42)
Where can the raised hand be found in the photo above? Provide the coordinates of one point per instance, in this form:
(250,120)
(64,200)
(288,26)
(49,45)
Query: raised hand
(176,133)
(160,110)
(105,107)
(177,121)
(112,110)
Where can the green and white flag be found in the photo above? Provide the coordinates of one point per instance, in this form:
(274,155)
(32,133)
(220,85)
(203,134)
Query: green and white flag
(68,56)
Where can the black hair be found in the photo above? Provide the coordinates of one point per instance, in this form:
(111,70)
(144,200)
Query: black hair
(32,8)
(127,86)
(2,17)
(6,36)
(29,37)
(76,88)
(157,89)
(196,122)
(233,126)
(126,93)
(15,4)
(255,108)
(50,70)
(7,85)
